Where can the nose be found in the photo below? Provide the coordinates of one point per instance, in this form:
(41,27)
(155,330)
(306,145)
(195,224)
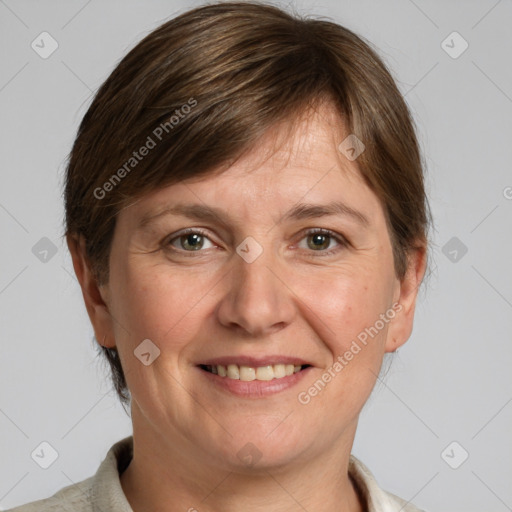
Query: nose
(257,300)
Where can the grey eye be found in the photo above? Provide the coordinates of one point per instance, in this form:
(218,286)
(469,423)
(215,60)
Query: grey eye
(191,242)
(318,241)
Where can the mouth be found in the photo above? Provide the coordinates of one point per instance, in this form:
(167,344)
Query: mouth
(253,376)
(249,373)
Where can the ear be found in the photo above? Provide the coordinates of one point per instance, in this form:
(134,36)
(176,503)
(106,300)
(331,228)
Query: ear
(400,328)
(95,297)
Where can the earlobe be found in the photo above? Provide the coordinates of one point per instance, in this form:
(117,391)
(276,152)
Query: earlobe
(97,307)
(105,343)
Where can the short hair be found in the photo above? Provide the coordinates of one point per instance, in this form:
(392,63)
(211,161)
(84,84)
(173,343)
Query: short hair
(201,89)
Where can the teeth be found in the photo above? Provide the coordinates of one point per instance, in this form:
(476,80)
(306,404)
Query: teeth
(265,372)
(248,373)
(279,371)
(233,371)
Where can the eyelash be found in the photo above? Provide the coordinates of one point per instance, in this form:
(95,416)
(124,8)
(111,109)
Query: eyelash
(342,242)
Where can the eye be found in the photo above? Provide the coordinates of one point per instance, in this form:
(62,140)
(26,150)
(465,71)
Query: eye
(191,240)
(320,240)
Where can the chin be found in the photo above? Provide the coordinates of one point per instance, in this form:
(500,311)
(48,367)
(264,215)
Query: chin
(260,447)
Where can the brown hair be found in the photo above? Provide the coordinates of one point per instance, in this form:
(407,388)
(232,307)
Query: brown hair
(200,90)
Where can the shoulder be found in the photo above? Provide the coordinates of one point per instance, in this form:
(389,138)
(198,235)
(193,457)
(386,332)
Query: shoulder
(401,504)
(75,497)
(377,499)
(102,491)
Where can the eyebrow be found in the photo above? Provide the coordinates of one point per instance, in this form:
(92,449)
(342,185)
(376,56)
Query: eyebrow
(297,212)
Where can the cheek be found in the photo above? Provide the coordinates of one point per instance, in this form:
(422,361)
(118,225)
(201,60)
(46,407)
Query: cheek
(347,304)
(345,311)
(341,316)
(163,307)
(156,304)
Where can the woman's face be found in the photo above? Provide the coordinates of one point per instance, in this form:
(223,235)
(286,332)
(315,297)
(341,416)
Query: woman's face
(288,261)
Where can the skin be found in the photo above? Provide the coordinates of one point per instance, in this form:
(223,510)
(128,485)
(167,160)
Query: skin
(291,300)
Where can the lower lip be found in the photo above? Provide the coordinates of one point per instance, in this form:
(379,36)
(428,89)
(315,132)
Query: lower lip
(255,388)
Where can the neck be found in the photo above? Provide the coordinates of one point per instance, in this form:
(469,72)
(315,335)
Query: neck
(163,476)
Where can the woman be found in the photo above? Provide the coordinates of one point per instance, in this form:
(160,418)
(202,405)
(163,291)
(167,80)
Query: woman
(247,219)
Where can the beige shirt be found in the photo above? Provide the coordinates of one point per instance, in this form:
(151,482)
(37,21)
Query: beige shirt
(103,492)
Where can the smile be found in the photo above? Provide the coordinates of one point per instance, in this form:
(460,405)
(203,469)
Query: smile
(250,373)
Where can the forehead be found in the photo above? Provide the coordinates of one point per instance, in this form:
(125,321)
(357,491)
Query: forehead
(303,146)
(292,162)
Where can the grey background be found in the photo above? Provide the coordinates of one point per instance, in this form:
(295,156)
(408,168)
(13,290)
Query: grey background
(450,382)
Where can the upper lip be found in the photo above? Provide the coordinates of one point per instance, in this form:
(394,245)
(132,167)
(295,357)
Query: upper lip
(254,362)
